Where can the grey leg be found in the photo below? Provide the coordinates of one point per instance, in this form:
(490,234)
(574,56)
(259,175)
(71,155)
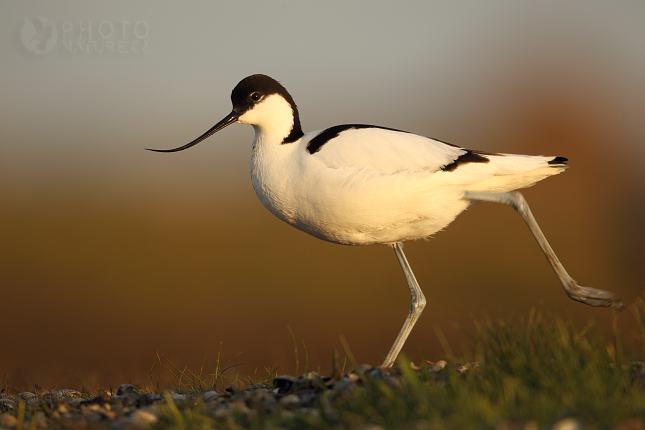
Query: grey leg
(586,295)
(416,307)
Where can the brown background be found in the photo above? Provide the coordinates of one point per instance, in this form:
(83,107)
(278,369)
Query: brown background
(110,254)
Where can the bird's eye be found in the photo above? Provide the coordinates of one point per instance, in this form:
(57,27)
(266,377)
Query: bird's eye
(256,96)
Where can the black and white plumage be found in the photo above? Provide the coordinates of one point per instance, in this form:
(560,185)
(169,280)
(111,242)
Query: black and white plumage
(358,184)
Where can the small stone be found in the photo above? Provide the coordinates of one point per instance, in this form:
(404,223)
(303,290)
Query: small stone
(125,400)
(223,411)
(370,427)
(307,398)
(568,424)
(129,423)
(33,402)
(307,381)
(76,402)
(466,367)
(268,402)
(328,381)
(514,425)
(290,400)
(7,420)
(638,373)
(178,397)
(107,392)
(92,407)
(153,398)
(283,383)
(362,369)
(8,405)
(392,382)
(210,396)
(126,390)
(146,417)
(348,383)
(240,407)
(375,372)
(67,394)
(263,401)
(352,377)
(439,365)
(25,396)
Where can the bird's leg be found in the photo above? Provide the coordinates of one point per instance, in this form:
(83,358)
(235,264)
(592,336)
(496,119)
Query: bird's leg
(416,307)
(586,295)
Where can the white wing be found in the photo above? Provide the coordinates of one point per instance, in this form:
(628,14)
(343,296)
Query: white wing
(384,151)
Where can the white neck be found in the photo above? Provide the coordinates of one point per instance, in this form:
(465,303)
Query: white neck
(272,120)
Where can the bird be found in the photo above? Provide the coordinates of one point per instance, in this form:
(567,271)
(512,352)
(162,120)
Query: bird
(358,184)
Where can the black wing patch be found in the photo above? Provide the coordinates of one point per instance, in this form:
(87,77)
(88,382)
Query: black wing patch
(468,157)
(558,160)
(328,134)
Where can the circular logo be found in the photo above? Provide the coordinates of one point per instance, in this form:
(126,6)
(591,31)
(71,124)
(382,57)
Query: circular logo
(38,34)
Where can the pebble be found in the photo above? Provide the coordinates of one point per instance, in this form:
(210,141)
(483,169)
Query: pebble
(24,396)
(307,398)
(7,405)
(129,423)
(178,397)
(145,417)
(67,394)
(289,401)
(439,365)
(210,396)
(283,383)
(568,424)
(125,390)
(307,381)
(638,373)
(7,420)
(344,384)
(129,408)
(362,369)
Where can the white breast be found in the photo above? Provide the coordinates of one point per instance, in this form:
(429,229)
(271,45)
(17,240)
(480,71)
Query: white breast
(342,201)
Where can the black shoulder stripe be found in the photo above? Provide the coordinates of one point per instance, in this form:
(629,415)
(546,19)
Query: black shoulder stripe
(295,134)
(559,160)
(468,157)
(328,134)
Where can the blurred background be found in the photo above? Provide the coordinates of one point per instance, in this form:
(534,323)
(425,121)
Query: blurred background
(110,254)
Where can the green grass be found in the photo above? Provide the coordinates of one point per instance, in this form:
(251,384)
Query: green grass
(535,370)
(539,369)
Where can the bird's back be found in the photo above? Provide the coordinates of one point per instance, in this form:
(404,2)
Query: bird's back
(386,151)
(364,184)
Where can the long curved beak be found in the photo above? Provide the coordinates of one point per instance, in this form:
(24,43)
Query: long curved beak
(229,119)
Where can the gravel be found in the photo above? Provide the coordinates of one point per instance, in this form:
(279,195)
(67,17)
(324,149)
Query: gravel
(130,407)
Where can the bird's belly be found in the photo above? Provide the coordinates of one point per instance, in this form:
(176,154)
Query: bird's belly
(357,211)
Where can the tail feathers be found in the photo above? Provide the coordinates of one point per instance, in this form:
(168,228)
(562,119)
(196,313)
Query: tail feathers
(558,161)
(511,164)
(512,172)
